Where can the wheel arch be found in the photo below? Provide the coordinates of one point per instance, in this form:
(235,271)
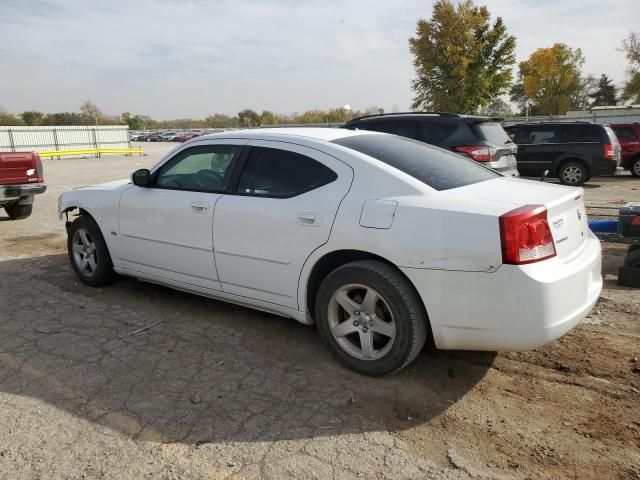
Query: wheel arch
(329,261)
(572,157)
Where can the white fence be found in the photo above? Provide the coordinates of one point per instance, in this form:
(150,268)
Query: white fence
(63,138)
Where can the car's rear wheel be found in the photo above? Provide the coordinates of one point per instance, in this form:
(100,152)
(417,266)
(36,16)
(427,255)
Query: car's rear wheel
(88,252)
(17,211)
(635,167)
(573,174)
(371,317)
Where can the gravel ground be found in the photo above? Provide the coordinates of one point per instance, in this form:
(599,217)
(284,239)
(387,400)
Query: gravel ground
(219,391)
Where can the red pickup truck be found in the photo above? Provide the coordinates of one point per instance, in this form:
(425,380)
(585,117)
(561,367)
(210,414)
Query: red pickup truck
(629,137)
(21,178)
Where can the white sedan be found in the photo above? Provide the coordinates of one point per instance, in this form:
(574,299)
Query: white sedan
(380,240)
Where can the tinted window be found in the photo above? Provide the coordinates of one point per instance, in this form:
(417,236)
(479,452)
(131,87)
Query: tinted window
(404,128)
(492,132)
(437,168)
(435,132)
(582,133)
(204,168)
(272,172)
(539,134)
(625,133)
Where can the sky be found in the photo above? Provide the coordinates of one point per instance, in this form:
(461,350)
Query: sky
(191,58)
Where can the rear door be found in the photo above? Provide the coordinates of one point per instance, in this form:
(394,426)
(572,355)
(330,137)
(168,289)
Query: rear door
(629,141)
(538,148)
(286,200)
(403,128)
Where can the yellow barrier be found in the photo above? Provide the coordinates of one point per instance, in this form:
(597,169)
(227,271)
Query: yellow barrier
(90,151)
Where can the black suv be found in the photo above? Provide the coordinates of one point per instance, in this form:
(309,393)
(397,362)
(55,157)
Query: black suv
(572,152)
(480,138)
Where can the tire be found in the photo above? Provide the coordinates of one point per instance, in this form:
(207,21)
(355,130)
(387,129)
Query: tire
(634,167)
(396,333)
(18,212)
(573,173)
(633,257)
(88,252)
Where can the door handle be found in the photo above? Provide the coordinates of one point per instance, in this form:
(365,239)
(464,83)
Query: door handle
(199,207)
(309,219)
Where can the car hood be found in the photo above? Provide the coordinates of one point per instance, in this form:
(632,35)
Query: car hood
(114,185)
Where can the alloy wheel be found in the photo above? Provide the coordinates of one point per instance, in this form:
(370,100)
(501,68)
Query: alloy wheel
(361,322)
(572,174)
(84,252)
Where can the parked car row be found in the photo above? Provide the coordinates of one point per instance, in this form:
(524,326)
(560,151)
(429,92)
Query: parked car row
(170,135)
(572,152)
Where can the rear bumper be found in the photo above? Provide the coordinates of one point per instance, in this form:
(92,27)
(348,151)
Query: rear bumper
(515,308)
(11,192)
(604,167)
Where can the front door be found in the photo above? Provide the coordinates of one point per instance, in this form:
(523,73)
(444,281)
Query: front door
(283,209)
(166,229)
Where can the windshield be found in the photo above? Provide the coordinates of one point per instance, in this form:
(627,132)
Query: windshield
(433,166)
(492,132)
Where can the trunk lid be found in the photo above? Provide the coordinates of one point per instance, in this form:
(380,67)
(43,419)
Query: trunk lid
(17,168)
(565,207)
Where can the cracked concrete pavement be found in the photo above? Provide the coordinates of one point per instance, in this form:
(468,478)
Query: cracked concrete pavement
(219,391)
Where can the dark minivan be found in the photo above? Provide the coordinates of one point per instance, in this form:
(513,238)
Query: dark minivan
(481,138)
(572,152)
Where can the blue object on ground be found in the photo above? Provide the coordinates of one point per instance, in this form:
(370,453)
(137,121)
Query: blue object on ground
(603,225)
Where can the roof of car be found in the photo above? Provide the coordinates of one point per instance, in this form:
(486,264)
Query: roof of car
(400,115)
(326,134)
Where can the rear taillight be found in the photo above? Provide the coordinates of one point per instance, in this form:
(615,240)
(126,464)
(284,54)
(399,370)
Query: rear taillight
(479,154)
(39,168)
(526,236)
(610,152)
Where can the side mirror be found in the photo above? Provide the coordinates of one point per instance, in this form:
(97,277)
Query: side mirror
(141,178)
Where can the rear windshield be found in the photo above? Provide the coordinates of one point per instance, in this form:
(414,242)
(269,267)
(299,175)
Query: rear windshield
(433,166)
(492,132)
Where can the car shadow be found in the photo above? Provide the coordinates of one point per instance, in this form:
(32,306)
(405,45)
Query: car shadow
(158,364)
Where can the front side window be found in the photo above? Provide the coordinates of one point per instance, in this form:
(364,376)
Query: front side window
(272,172)
(204,168)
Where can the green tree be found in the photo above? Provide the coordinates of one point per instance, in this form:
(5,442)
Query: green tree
(9,120)
(551,81)
(32,117)
(497,108)
(63,118)
(604,93)
(91,114)
(462,60)
(248,118)
(631,48)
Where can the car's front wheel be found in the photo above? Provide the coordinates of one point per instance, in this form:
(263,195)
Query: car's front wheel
(88,252)
(573,174)
(371,317)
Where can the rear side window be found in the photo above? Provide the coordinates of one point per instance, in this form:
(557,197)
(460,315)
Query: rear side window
(435,133)
(539,134)
(625,133)
(404,128)
(272,172)
(582,133)
(437,168)
(492,132)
